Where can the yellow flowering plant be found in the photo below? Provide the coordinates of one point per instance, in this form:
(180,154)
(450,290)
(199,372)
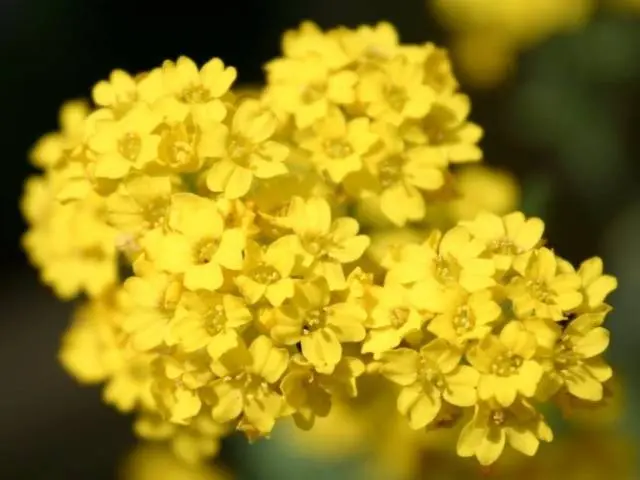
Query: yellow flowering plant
(245,258)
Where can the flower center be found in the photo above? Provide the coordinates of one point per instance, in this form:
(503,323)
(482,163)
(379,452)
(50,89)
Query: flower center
(397,98)
(337,148)
(390,171)
(565,357)
(214,319)
(194,94)
(312,92)
(399,316)
(430,374)
(505,365)
(129,145)
(498,417)
(205,251)
(239,148)
(251,385)
(463,322)
(503,246)
(539,291)
(265,274)
(314,320)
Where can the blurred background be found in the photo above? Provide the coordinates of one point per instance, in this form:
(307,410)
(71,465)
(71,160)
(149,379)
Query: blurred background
(554,83)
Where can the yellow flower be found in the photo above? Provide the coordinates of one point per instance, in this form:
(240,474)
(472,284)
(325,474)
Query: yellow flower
(307,88)
(325,245)
(482,188)
(158,462)
(119,92)
(507,365)
(505,237)
(243,152)
(319,325)
(139,205)
(466,317)
(543,289)
(399,175)
(266,273)
(369,45)
(310,42)
(446,131)
(211,320)
(247,387)
(492,426)
(397,92)
(595,285)
(577,361)
(121,145)
(310,393)
(51,150)
(195,243)
(71,244)
(150,302)
(195,92)
(337,146)
(451,260)
(391,320)
(428,377)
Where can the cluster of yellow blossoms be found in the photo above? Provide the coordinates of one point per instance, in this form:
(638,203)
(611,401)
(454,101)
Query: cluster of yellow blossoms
(216,237)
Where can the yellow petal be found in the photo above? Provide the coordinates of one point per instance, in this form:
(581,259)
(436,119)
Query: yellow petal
(229,402)
(322,349)
(268,361)
(229,252)
(206,277)
(593,343)
(491,447)
(239,183)
(523,440)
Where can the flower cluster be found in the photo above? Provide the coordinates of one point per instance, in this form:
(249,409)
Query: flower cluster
(223,243)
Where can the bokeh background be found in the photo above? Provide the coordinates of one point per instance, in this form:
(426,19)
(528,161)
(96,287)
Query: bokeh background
(555,84)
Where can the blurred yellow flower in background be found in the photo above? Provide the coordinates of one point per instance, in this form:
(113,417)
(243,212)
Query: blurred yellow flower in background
(489,34)
(157,462)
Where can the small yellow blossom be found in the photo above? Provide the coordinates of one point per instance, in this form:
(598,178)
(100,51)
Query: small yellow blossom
(428,377)
(506,237)
(449,259)
(595,285)
(119,92)
(266,273)
(325,245)
(151,301)
(577,361)
(396,93)
(211,320)
(247,386)
(507,365)
(466,317)
(336,146)
(319,325)
(243,152)
(542,289)
(391,320)
(195,92)
(307,89)
(195,243)
(493,426)
(309,392)
(121,145)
